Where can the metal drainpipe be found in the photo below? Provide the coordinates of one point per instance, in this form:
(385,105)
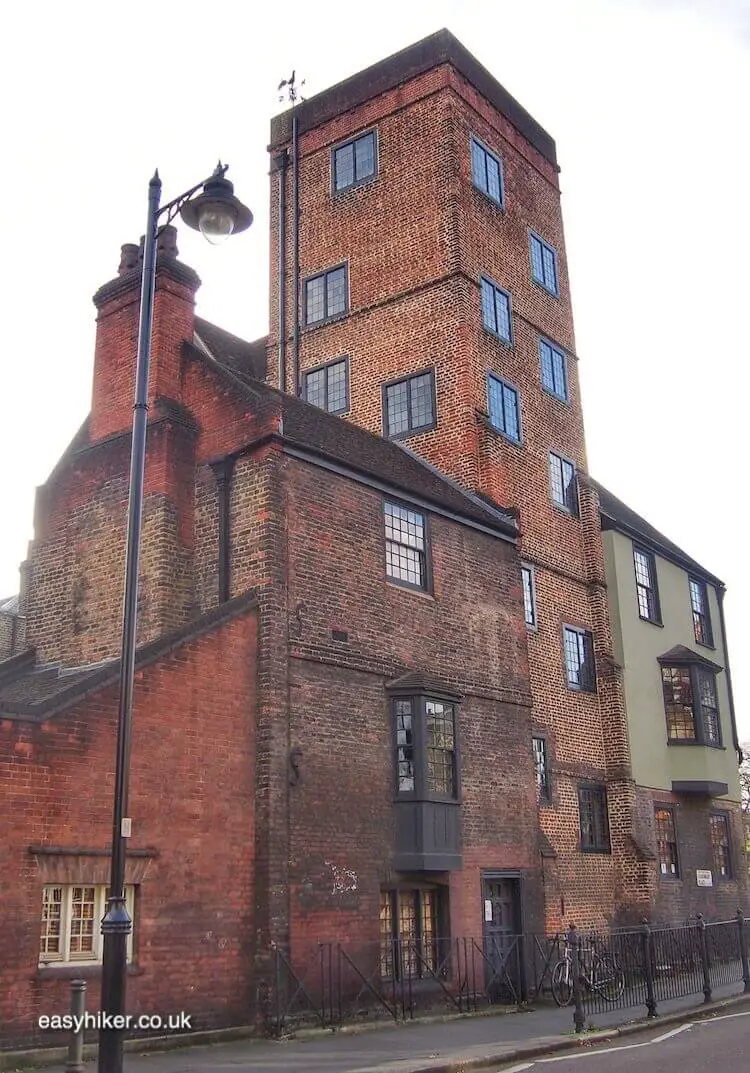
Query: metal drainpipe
(720,592)
(282,161)
(295,249)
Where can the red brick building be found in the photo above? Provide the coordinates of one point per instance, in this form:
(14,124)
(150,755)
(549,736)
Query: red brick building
(373,620)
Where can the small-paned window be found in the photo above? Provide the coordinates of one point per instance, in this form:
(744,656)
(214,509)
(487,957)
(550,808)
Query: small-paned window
(426,754)
(554,370)
(71,923)
(504,407)
(486,171)
(691,704)
(328,386)
(496,310)
(404,712)
(408,933)
(701,613)
(563,483)
(592,808)
(543,264)
(646,587)
(354,162)
(666,842)
(441,748)
(720,845)
(529,595)
(580,670)
(541,767)
(410,405)
(405,546)
(326,295)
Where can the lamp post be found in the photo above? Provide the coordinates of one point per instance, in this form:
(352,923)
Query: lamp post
(216,213)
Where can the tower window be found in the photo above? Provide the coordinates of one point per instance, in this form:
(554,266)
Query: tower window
(326,295)
(554,371)
(504,408)
(487,172)
(543,264)
(328,386)
(496,310)
(409,405)
(563,483)
(354,162)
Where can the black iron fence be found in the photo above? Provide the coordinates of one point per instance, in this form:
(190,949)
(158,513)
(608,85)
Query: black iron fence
(334,983)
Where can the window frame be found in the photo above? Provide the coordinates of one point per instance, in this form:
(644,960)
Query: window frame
(705,614)
(392,945)
(324,368)
(573,510)
(498,160)
(648,555)
(544,786)
(426,551)
(328,318)
(505,385)
(565,397)
(491,331)
(407,380)
(600,789)
(579,631)
(694,670)
(529,569)
(338,191)
(535,236)
(724,816)
(667,859)
(45,960)
(420,746)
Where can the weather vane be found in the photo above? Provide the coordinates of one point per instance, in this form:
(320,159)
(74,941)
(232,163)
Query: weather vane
(292,90)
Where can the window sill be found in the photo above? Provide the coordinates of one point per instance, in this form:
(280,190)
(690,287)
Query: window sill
(663,878)
(542,287)
(581,692)
(356,185)
(711,648)
(411,590)
(410,432)
(493,335)
(504,435)
(83,971)
(553,395)
(328,320)
(652,621)
(604,851)
(486,198)
(565,510)
(692,743)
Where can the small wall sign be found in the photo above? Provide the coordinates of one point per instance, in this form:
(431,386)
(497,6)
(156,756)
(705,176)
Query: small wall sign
(704,877)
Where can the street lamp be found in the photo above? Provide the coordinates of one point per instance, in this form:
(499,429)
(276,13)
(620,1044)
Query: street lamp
(216,213)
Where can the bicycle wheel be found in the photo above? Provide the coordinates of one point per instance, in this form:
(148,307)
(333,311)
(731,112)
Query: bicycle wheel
(562,983)
(608,978)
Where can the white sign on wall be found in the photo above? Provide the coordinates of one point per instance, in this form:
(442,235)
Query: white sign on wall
(703,877)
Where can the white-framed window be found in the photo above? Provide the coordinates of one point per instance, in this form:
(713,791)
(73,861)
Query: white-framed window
(71,922)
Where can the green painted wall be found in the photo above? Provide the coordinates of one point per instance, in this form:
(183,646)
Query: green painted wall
(637,644)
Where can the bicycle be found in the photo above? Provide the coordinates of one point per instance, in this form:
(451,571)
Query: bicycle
(602,975)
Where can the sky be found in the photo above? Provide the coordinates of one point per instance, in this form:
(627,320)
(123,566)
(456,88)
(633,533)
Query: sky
(648,103)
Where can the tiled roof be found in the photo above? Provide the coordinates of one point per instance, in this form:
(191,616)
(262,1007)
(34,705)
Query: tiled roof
(683,654)
(621,517)
(9,605)
(33,692)
(243,358)
(337,440)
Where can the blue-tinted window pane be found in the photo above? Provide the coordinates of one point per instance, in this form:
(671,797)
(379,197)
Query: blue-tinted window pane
(364,149)
(550,269)
(344,166)
(553,369)
(315,304)
(336,292)
(502,308)
(336,399)
(493,179)
(537,267)
(315,388)
(485,172)
(503,407)
(488,306)
(397,405)
(421,401)
(478,171)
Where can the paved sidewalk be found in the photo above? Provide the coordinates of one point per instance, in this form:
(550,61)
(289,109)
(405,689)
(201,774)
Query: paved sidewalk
(406,1048)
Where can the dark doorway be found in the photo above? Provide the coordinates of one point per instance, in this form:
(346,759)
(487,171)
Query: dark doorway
(502,939)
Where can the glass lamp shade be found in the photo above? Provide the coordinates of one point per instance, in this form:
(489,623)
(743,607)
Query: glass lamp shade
(216,224)
(216,212)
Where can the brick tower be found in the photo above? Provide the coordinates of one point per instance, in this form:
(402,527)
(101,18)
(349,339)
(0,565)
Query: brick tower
(423,209)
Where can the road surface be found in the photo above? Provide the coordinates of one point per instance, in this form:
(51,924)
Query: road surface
(718,1043)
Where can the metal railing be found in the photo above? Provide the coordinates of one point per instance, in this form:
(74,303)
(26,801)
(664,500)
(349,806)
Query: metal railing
(333,983)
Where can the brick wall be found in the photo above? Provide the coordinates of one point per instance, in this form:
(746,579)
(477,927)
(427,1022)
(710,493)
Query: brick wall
(416,240)
(191,776)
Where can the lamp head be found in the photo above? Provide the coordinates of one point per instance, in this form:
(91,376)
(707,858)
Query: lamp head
(216,212)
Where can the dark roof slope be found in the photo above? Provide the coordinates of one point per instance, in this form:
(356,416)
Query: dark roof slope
(9,605)
(617,515)
(243,358)
(337,440)
(30,691)
(438,48)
